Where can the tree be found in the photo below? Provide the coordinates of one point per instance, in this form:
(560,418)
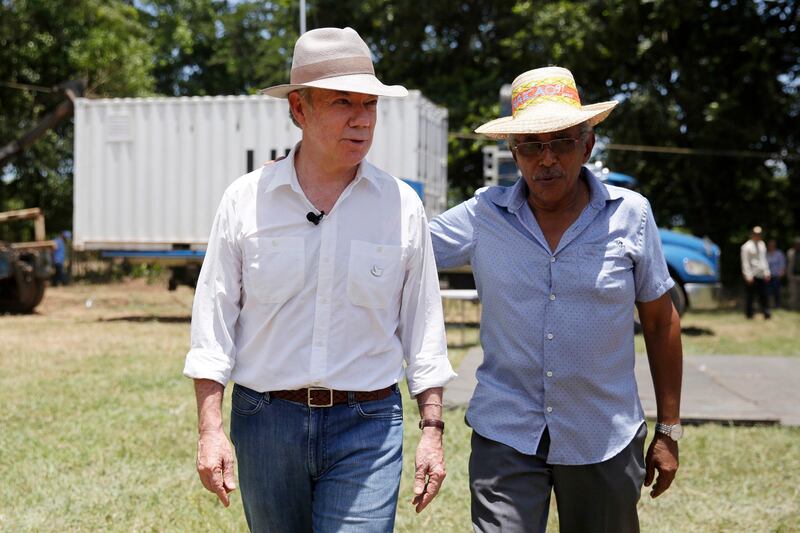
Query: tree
(42,44)
(212,47)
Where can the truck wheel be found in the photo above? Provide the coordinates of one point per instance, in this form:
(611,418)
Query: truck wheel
(25,301)
(678,298)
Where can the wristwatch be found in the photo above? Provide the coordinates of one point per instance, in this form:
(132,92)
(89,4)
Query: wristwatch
(430,422)
(674,431)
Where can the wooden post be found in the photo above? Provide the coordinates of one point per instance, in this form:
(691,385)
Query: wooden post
(38,227)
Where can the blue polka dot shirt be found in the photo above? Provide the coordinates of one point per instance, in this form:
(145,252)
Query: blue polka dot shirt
(556,325)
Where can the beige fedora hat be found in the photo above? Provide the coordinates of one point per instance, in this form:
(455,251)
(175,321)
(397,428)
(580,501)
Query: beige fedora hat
(336,59)
(544,100)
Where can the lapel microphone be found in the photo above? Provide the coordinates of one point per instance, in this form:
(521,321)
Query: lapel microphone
(313,218)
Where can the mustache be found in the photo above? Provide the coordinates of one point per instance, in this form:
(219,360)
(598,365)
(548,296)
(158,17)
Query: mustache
(547,173)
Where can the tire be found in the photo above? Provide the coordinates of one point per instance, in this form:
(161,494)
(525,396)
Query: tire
(678,296)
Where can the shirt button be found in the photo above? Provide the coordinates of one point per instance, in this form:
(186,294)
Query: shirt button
(380,248)
(549,373)
(553,259)
(552,297)
(549,409)
(549,336)
(323,300)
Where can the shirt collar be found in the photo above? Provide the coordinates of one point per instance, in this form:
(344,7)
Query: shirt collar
(513,198)
(286,175)
(599,194)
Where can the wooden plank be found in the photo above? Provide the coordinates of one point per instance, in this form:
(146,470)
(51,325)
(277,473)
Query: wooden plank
(21,214)
(38,245)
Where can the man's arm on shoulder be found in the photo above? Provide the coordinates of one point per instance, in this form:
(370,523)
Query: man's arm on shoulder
(661,328)
(214,452)
(452,235)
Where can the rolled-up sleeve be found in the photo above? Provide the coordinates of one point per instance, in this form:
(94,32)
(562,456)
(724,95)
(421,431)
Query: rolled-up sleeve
(421,326)
(216,302)
(651,275)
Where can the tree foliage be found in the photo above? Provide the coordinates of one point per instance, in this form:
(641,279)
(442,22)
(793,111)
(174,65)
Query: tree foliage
(718,77)
(42,44)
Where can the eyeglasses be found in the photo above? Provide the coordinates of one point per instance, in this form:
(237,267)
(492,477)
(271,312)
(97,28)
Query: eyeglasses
(536,149)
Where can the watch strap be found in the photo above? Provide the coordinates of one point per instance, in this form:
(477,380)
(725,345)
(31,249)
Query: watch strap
(431,423)
(667,429)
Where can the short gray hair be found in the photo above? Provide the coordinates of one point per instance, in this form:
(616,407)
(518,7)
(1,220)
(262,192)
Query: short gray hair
(305,95)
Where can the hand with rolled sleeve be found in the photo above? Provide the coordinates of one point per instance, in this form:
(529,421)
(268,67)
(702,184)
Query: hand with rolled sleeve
(429,467)
(215,462)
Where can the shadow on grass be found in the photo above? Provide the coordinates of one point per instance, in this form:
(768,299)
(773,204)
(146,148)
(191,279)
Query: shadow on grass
(692,331)
(150,318)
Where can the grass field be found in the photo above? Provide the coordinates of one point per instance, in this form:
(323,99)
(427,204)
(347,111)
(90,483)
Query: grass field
(97,430)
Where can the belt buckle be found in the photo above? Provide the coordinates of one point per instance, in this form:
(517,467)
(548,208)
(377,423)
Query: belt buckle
(330,397)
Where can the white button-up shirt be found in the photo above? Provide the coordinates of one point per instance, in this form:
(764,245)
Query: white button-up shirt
(282,303)
(754,260)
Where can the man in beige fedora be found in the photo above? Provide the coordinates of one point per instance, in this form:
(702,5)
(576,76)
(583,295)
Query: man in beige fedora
(560,260)
(318,294)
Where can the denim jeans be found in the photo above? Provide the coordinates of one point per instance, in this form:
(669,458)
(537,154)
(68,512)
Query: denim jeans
(320,469)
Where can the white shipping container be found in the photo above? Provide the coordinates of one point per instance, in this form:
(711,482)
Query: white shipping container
(150,172)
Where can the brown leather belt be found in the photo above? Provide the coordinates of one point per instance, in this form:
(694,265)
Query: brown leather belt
(318,397)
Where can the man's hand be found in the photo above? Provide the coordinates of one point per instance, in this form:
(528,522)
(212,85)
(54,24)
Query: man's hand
(215,464)
(430,471)
(662,456)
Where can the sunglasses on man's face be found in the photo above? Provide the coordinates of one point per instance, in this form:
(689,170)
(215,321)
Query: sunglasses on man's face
(535,149)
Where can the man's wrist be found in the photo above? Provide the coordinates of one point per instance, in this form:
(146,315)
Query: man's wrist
(428,424)
(672,431)
(209,428)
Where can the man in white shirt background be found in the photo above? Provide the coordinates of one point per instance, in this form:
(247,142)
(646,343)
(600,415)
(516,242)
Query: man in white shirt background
(318,288)
(755,271)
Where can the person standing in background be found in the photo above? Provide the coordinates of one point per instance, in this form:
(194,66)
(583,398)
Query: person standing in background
(755,271)
(60,258)
(777,270)
(793,274)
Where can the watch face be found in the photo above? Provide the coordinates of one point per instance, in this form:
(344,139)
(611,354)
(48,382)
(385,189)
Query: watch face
(677,432)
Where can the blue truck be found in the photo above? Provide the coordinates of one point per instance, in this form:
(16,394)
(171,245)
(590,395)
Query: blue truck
(693,262)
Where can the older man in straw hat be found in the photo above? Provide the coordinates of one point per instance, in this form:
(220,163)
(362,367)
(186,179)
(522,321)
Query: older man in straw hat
(559,261)
(318,285)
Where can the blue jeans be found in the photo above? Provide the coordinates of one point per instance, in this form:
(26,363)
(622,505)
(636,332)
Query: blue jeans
(318,469)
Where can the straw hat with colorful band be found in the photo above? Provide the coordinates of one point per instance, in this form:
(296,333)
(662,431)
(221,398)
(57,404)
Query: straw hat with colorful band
(545,100)
(336,59)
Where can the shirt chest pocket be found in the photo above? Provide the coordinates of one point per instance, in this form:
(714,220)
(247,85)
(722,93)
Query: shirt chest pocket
(375,272)
(608,263)
(274,268)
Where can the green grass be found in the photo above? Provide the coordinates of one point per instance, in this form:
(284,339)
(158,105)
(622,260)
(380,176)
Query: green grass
(97,433)
(730,333)
(725,331)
